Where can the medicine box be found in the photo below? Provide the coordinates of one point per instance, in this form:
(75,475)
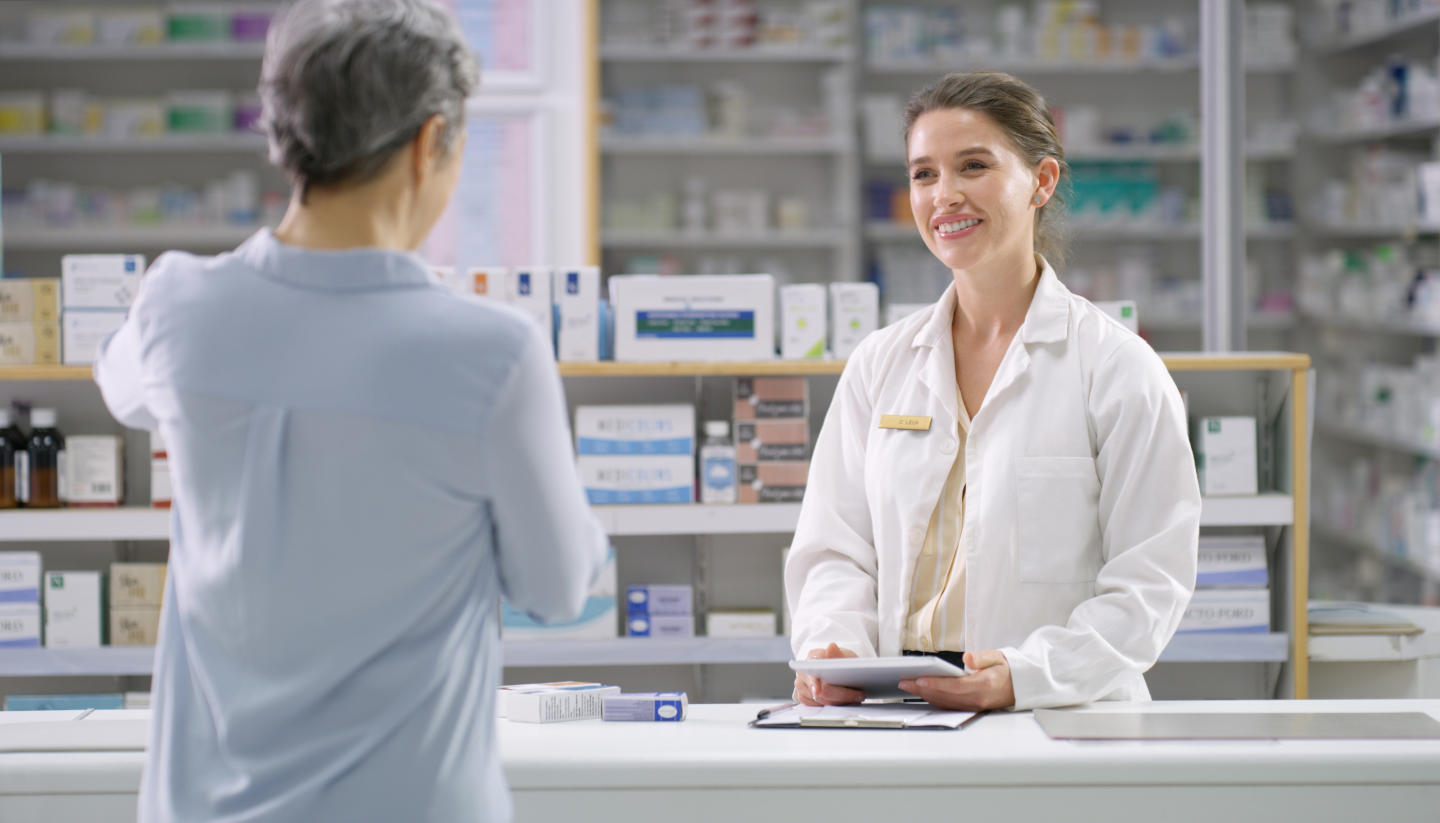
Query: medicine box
(1232,561)
(100,281)
(636,454)
(134,625)
(1225,456)
(598,618)
(502,695)
(29,344)
(136,584)
(763,441)
(94,470)
(1227,610)
(485,281)
(659,599)
(63,702)
(740,623)
(802,321)
(771,398)
(30,300)
(694,317)
(161,490)
(557,704)
(529,290)
(661,707)
(778,482)
(623,480)
(82,332)
(75,610)
(577,312)
(659,625)
(854,313)
(1122,310)
(19,625)
(19,577)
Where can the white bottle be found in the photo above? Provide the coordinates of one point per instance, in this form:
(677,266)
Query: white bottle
(717,464)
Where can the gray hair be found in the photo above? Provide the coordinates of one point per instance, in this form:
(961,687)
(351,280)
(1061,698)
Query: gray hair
(346,83)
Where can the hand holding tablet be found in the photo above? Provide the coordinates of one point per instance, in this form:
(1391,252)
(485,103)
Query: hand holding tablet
(871,676)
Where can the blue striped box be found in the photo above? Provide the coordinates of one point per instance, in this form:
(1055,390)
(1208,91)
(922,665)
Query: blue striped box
(19,577)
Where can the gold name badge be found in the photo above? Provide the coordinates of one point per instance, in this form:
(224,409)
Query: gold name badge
(909,422)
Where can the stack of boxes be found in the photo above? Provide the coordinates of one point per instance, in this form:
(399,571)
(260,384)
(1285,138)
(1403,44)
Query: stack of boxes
(772,439)
(96,290)
(636,454)
(564,303)
(136,590)
(653,610)
(30,322)
(19,600)
(1232,592)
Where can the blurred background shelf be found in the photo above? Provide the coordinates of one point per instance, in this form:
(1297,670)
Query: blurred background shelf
(81,238)
(162,144)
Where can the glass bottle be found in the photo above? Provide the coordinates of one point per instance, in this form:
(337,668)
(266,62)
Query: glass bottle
(46,450)
(717,464)
(13,460)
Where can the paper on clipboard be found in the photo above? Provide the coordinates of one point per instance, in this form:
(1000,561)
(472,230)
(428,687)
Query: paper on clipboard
(865,716)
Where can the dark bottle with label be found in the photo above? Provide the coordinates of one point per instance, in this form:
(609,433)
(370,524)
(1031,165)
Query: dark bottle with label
(14,460)
(46,451)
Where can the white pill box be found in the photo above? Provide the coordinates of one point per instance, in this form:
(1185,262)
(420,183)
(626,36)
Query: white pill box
(19,625)
(1244,611)
(854,313)
(576,292)
(94,470)
(100,281)
(636,454)
(19,577)
(74,610)
(557,705)
(82,332)
(1232,561)
(740,623)
(502,695)
(529,290)
(663,707)
(802,321)
(1225,456)
(694,317)
(659,599)
(663,625)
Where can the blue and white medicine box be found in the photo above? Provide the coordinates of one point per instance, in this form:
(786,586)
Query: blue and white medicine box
(19,577)
(1229,611)
(659,625)
(1232,562)
(662,707)
(100,281)
(694,317)
(528,289)
(659,599)
(577,314)
(636,454)
(19,625)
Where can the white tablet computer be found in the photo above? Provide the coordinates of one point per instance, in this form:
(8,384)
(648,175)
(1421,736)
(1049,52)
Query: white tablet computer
(878,676)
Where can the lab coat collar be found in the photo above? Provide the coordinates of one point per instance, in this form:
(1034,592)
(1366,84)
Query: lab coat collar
(359,269)
(1046,321)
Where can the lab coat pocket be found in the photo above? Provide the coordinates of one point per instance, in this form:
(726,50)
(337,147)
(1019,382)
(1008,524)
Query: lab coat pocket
(1058,518)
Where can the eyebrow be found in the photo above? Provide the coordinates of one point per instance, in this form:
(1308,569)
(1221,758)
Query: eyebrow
(959,154)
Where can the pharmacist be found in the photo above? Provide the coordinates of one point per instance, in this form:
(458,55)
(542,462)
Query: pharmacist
(1007,474)
(364,461)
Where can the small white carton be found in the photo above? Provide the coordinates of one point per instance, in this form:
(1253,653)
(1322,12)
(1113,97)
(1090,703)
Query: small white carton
(529,290)
(1232,561)
(19,625)
(664,707)
(636,454)
(625,479)
(1225,456)
(100,281)
(694,317)
(659,599)
(1227,610)
(659,625)
(74,610)
(161,490)
(94,470)
(802,321)
(82,332)
(19,577)
(557,704)
(854,313)
(577,297)
(740,623)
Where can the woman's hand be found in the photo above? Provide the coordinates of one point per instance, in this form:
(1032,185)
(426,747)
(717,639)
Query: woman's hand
(812,691)
(987,686)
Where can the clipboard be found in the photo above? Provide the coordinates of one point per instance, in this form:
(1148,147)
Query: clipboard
(895,716)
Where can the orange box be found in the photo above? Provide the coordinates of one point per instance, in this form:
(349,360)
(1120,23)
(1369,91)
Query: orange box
(771,398)
(780,482)
(765,441)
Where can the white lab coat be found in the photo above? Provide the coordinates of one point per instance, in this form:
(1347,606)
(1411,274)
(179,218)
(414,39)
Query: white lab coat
(1082,513)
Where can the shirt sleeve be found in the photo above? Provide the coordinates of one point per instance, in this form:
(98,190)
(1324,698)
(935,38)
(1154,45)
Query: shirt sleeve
(549,544)
(119,365)
(1149,512)
(830,577)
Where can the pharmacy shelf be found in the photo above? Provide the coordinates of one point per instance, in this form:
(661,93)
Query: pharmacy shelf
(1355,434)
(82,237)
(1269,509)
(1398,326)
(1356,231)
(106,661)
(1399,128)
(647,53)
(1399,26)
(158,51)
(614,238)
(1129,153)
(53,525)
(761,518)
(890,232)
(44,373)
(606,368)
(1366,546)
(1023,66)
(1258,321)
(644,146)
(1245,361)
(1221,647)
(161,144)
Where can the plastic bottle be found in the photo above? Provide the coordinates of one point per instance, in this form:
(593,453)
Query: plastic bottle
(14,461)
(717,464)
(46,450)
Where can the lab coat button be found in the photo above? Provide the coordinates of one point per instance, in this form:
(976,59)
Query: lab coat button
(917,535)
(948,447)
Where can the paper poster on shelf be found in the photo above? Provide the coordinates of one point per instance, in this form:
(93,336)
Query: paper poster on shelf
(506,36)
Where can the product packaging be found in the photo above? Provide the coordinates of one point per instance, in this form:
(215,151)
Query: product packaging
(556,704)
(1225,456)
(577,305)
(854,313)
(75,610)
(740,623)
(655,706)
(803,324)
(137,584)
(95,470)
(694,317)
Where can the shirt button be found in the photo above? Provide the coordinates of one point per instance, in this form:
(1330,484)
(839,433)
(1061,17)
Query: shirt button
(948,447)
(917,535)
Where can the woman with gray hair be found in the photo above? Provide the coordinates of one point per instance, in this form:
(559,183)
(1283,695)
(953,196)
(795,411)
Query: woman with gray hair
(364,462)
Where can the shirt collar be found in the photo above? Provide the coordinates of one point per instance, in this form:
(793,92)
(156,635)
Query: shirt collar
(357,269)
(1046,321)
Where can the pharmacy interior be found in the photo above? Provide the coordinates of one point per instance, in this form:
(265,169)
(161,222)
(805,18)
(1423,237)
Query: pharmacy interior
(748,156)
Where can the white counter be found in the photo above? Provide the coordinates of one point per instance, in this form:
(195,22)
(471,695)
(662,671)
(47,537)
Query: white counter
(713,768)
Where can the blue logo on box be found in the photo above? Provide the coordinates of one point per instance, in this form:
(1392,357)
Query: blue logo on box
(524,284)
(129,266)
(572,282)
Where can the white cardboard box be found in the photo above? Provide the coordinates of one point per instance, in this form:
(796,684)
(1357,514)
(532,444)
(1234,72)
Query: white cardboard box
(674,599)
(802,321)
(74,610)
(19,577)
(636,454)
(134,625)
(19,625)
(694,317)
(659,625)
(1227,610)
(82,332)
(1225,456)
(577,298)
(1232,561)
(554,705)
(137,584)
(597,620)
(626,479)
(854,313)
(529,289)
(94,470)
(100,281)
(740,623)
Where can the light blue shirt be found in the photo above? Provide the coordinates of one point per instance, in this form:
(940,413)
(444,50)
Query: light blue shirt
(363,462)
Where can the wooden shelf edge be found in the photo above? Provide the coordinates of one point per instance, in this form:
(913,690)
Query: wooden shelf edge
(46,373)
(1261,361)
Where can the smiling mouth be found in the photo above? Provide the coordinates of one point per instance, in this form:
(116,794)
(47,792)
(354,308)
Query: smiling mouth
(955,226)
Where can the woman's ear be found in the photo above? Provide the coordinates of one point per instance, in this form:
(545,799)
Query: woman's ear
(426,150)
(1047,177)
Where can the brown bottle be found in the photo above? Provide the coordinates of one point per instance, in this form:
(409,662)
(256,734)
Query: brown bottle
(46,451)
(13,460)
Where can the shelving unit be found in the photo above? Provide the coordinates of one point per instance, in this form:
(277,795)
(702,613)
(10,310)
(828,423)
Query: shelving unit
(159,144)
(111,54)
(1412,22)
(198,237)
(616,239)
(1396,326)
(1384,441)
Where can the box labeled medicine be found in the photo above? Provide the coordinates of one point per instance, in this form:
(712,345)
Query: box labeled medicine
(20,577)
(82,332)
(765,441)
(1232,561)
(576,293)
(659,599)
(94,470)
(803,329)
(637,480)
(665,707)
(854,313)
(30,300)
(1227,610)
(134,625)
(598,618)
(771,398)
(635,430)
(137,584)
(502,695)
(740,623)
(29,344)
(661,625)
(694,317)
(19,625)
(100,281)
(529,290)
(778,482)
(1225,456)
(74,610)
(581,701)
